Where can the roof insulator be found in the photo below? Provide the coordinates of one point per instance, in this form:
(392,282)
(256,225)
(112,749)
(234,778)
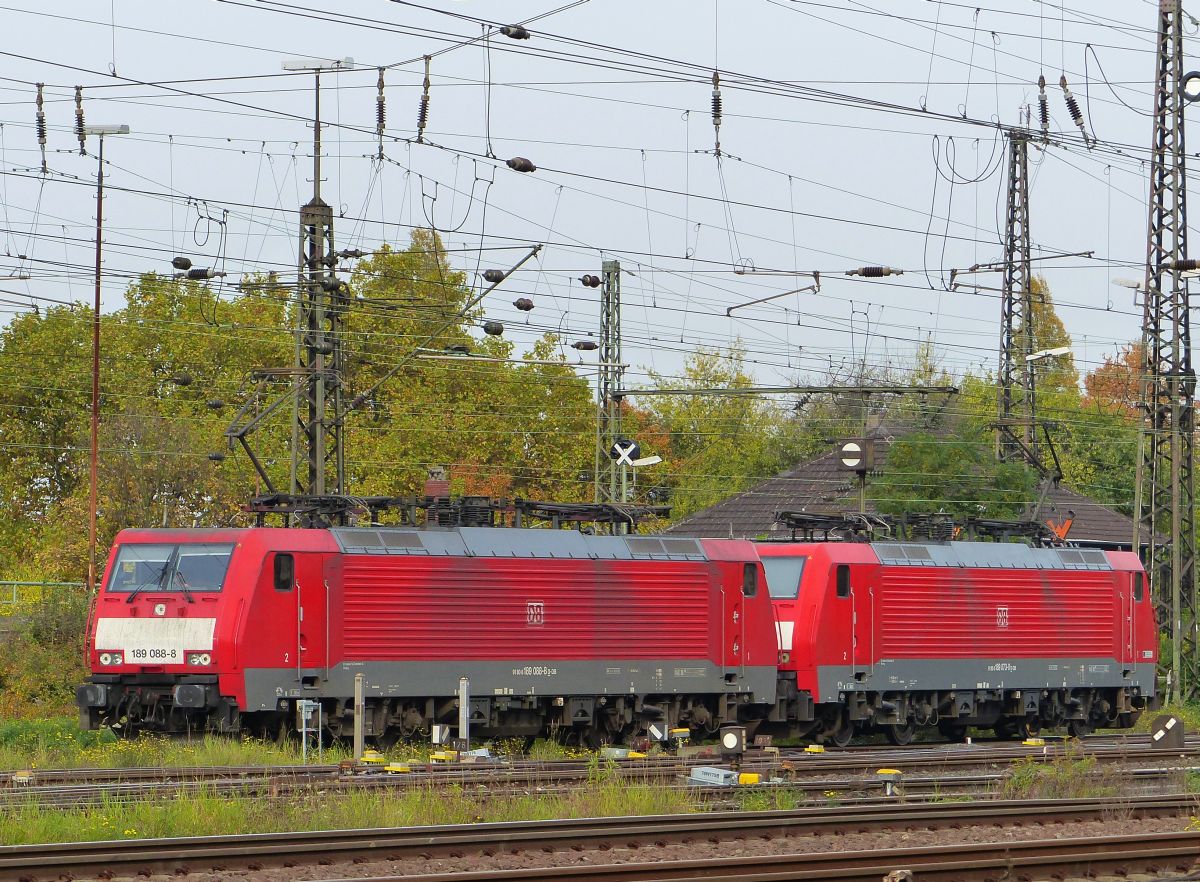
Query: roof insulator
(182,379)
(214,404)
(217,457)
(521,164)
(515,32)
(495,329)
(590,281)
(494,275)
(523,303)
(585,345)
(181,263)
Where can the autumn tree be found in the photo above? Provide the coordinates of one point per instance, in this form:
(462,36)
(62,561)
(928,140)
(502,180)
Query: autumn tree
(719,444)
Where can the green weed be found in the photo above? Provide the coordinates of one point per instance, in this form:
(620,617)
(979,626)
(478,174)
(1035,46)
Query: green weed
(204,812)
(1069,775)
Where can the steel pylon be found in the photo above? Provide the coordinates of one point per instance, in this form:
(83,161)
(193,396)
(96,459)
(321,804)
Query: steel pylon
(1015,429)
(608,403)
(1164,501)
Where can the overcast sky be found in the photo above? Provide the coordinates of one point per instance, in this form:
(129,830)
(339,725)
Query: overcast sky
(853,133)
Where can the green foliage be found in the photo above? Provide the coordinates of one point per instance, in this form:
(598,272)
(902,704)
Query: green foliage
(928,473)
(718,445)
(1071,774)
(203,812)
(41,655)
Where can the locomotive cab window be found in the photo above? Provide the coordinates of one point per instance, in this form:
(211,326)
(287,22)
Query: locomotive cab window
(749,580)
(843,580)
(783,576)
(185,567)
(285,572)
(1137,587)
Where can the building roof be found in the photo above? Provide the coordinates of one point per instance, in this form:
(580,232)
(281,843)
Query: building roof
(819,486)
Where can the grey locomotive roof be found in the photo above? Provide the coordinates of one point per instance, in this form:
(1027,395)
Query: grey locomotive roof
(989,555)
(499,542)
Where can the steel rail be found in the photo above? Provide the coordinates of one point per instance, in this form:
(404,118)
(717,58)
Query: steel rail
(1027,859)
(49,861)
(854,759)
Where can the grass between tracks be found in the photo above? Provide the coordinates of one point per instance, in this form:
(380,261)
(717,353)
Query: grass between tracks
(60,744)
(605,794)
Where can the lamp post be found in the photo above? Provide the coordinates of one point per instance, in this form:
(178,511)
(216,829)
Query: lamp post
(94,451)
(1030,360)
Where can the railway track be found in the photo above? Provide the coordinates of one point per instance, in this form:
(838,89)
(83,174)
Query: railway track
(849,775)
(1052,859)
(198,854)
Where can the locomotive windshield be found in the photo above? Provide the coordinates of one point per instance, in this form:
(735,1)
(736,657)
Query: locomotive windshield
(783,576)
(183,567)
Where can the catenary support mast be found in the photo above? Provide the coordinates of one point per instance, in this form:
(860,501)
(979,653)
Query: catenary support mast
(1015,428)
(1165,506)
(608,403)
(318,464)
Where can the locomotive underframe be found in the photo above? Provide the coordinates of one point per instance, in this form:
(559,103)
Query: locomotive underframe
(133,703)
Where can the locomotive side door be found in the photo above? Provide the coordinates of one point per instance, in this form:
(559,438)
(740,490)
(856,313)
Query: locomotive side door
(312,597)
(1129,597)
(847,615)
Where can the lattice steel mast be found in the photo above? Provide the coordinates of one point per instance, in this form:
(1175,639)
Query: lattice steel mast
(1165,505)
(1015,429)
(318,461)
(608,425)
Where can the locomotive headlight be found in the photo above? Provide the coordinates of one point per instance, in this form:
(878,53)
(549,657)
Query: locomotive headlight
(105,658)
(199,659)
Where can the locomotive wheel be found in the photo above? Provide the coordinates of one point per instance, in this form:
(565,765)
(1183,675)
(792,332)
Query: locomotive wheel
(841,736)
(1030,727)
(900,734)
(1006,730)
(956,732)
(1080,728)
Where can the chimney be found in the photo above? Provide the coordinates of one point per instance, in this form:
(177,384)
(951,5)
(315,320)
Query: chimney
(437,484)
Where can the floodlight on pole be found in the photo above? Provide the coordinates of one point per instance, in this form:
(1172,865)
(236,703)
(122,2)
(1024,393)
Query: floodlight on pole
(1189,85)
(1047,353)
(94,447)
(311,64)
(106,130)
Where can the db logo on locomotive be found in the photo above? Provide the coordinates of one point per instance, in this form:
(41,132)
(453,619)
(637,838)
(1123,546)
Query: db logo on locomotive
(1002,617)
(535,614)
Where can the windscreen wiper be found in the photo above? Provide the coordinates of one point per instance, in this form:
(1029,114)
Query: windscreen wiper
(160,580)
(181,581)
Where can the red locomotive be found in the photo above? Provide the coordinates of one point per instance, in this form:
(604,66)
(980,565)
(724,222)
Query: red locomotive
(895,636)
(597,637)
(554,629)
